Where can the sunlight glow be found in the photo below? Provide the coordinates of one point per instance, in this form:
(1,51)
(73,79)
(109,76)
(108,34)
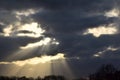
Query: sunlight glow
(37,60)
(26,12)
(19,14)
(19,62)
(109,48)
(33,27)
(96,55)
(39,66)
(112,13)
(8,30)
(44,42)
(102,30)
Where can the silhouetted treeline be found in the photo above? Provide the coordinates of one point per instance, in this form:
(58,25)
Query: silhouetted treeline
(51,77)
(106,72)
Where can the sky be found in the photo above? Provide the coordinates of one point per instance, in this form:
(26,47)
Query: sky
(63,37)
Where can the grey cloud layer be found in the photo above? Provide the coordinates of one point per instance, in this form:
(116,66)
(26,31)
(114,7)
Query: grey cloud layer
(63,19)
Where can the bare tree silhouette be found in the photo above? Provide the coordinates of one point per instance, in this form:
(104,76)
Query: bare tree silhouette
(105,72)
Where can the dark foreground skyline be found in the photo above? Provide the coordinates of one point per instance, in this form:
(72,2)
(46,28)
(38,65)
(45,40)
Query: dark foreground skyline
(105,72)
(74,37)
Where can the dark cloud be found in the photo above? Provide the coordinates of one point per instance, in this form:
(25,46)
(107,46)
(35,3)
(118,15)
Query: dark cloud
(10,45)
(71,16)
(69,23)
(1,28)
(86,46)
(57,4)
(64,20)
(24,31)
